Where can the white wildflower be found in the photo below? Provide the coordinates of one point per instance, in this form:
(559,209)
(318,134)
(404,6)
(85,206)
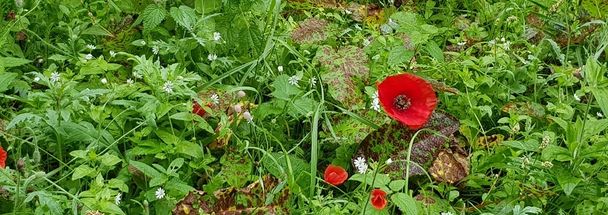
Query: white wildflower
(376,102)
(118,198)
(155,50)
(130,81)
(366,42)
(361,165)
(347,11)
(247,116)
(88,57)
(160,193)
(137,75)
(293,80)
(461,43)
(55,77)
(36,79)
(578,99)
(313,81)
(92,47)
(168,87)
(506,45)
(217,36)
(492,42)
(547,164)
(280,68)
(502,39)
(104,81)
(212,57)
(112,54)
(215,98)
(389,161)
(599,115)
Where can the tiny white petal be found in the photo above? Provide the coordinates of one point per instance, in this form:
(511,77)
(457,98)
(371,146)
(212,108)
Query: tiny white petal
(92,47)
(389,161)
(160,193)
(217,36)
(155,50)
(104,81)
(55,77)
(212,57)
(293,80)
(36,79)
(280,68)
(130,81)
(215,98)
(578,99)
(168,87)
(88,56)
(361,165)
(599,115)
(118,198)
(112,54)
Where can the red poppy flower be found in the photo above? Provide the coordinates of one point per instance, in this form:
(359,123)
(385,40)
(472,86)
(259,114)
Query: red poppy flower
(335,175)
(408,99)
(2,158)
(197,109)
(378,199)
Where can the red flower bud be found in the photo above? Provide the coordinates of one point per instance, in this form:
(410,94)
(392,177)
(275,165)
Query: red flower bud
(335,175)
(378,199)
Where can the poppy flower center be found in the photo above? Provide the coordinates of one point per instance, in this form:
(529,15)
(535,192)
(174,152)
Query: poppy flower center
(402,102)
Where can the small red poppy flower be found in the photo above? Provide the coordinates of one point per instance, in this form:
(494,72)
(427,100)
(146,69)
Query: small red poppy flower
(197,109)
(335,175)
(408,99)
(378,199)
(2,158)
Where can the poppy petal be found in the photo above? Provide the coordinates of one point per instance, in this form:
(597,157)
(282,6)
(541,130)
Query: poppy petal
(3,156)
(335,175)
(422,99)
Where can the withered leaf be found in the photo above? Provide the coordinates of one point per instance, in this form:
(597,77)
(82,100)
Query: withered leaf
(450,166)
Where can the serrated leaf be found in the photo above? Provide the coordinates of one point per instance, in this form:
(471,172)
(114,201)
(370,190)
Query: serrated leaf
(5,80)
(8,62)
(153,15)
(21,118)
(82,171)
(184,16)
(399,55)
(406,203)
(110,160)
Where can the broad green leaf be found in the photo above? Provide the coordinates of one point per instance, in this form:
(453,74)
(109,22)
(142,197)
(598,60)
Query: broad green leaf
(396,185)
(21,118)
(6,79)
(406,203)
(189,148)
(110,159)
(110,208)
(182,116)
(381,180)
(145,168)
(399,55)
(82,171)
(567,181)
(282,88)
(153,15)
(184,16)
(434,51)
(600,94)
(207,6)
(96,30)
(8,62)
(118,184)
(530,145)
(98,66)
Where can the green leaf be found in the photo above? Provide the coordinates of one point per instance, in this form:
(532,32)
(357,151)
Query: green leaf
(600,94)
(207,6)
(406,203)
(381,179)
(5,80)
(118,184)
(567,181)
(109,207)
(282,88)
(82,171)
(184,16)
(399,55)
(182,116)
(109,159)
(530,145)
(21,118)
(98,66)
(96,30)
(189,148)
(145,168)
(153,15)
(434,51)
(396,185)
(8,62)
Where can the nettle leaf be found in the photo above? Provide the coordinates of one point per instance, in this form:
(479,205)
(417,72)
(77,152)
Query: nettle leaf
(406,203)
(399,55)
(414,26)
(184,16)
(283,89)
(153,15)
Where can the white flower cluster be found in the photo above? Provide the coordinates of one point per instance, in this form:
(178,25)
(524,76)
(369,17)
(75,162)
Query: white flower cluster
(361,165)
(376,102)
